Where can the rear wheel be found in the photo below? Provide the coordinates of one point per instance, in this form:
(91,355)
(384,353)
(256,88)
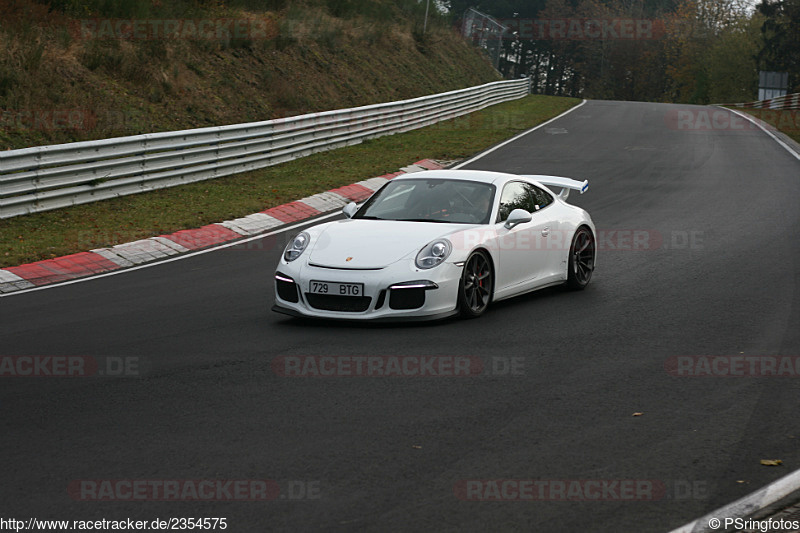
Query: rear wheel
(477,285)
(581,259)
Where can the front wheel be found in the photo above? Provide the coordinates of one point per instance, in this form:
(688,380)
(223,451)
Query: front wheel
(581,259)
(476,286)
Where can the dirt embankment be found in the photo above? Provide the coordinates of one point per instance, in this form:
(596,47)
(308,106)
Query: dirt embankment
(66,77)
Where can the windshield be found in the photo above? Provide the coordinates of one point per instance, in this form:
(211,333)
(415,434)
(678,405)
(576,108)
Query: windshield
(431,200)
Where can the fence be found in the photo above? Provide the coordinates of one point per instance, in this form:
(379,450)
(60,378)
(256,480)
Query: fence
(50,177)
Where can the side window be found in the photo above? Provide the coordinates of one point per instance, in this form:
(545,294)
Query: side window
(515,196)
(540,196)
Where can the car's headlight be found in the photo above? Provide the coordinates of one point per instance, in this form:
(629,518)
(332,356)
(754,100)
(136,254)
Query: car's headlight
(434,253)
(296,247)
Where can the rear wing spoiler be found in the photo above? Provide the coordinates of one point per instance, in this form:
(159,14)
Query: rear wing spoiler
(564,183)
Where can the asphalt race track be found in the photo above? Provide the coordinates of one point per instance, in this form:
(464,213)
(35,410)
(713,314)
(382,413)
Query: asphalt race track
(713,210)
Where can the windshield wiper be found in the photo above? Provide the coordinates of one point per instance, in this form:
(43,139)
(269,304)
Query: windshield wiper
(421,220)
(369,217)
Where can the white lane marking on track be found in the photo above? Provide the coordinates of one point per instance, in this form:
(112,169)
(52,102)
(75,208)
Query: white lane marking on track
(765,130)
(523,134)
(176,258)
(746,506)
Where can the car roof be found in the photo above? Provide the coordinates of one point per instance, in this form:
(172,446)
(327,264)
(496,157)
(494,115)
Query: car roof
(483,176)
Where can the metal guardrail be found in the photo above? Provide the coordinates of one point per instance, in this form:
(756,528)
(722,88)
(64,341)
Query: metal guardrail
(786,102)
(50,177)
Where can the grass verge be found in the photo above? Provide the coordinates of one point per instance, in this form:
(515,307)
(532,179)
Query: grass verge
(51,234)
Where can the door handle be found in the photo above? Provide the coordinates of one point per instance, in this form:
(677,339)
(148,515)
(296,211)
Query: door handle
(546,231)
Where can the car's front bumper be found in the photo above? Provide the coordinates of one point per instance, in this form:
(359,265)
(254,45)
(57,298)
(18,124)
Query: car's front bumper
(397,292)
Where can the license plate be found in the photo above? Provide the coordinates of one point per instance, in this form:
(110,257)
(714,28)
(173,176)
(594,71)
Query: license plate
(336,288)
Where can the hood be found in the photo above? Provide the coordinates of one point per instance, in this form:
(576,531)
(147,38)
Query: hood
(372,244)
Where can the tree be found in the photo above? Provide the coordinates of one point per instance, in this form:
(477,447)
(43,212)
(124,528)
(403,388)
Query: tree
(733,61)
(781,33)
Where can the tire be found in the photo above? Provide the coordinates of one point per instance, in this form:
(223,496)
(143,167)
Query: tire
(581,259)
(477,285)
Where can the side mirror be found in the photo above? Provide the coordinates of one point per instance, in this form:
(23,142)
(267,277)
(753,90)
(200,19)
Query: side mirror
(350,209)
(517,216)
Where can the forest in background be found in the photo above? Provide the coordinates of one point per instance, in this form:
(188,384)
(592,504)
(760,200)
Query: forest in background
(698,51)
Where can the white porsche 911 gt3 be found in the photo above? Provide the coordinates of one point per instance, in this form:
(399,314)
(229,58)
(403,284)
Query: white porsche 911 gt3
(438,243)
